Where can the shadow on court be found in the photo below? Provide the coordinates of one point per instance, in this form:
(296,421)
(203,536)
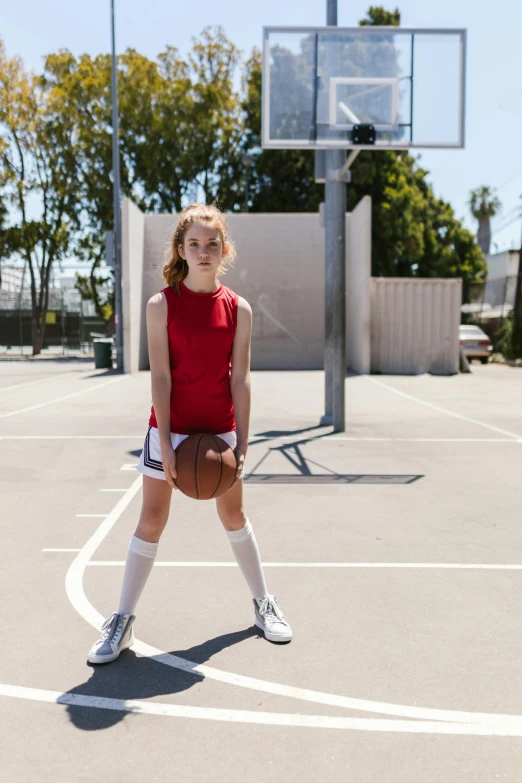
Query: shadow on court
(302,466)
(269,434)
(104,374)
(303,473)
(131,677)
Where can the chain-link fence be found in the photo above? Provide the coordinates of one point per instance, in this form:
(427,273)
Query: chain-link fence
(71,323)
(491,305)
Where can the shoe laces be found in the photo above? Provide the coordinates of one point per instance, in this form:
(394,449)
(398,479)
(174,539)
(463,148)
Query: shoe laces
(269,609)
(112,627)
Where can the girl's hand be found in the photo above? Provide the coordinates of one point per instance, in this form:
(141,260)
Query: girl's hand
(240,453)
(168,458)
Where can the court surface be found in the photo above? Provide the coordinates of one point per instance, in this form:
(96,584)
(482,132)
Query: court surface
(395,550)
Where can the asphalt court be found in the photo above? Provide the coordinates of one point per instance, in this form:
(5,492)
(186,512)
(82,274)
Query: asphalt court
(401,583)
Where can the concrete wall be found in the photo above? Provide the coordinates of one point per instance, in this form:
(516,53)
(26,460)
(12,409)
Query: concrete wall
(393,325)
(279,270)
(415,325)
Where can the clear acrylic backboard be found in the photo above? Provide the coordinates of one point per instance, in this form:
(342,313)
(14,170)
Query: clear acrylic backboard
(364,87)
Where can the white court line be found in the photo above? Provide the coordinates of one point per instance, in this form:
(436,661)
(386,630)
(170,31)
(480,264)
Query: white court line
(80,602)
(326,439)
(129,466)
(313,439)
(114,490)
(40,380)
(518,438)
(505,728)
(188,564)
(60,399)
(61,550)
(70,437)
(423,440)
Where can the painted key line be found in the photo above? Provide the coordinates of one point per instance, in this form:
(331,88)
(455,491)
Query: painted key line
(212,564)
(137,707)
(509,725)
(94,387)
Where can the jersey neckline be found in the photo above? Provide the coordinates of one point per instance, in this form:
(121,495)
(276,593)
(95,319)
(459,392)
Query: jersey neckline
(210,295)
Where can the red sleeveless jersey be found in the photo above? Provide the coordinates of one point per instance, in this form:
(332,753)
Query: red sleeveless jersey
(201,329)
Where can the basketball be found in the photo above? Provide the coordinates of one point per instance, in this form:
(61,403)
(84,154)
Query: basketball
(206,466)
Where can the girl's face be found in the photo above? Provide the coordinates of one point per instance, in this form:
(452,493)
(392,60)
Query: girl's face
(203,249)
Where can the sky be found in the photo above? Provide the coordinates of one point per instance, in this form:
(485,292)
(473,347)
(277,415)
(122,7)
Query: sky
(493,152)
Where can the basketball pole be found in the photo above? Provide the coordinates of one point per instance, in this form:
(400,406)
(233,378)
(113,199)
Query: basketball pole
(335,278)
(116,203)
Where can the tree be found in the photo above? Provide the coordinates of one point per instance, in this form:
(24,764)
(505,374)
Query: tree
(216,131)
(376,15)
(38,172)
(80,89)
(184,129)
(180,130)
(180,122)
(484,205)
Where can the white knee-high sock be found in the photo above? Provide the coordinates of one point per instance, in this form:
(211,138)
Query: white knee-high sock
(244,547)
(140,560)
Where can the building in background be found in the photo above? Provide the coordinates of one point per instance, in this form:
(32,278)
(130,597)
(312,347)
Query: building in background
(504,264)
(490,301)
(11,278)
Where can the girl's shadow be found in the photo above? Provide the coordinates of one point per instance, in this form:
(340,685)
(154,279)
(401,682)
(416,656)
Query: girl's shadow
(131,677)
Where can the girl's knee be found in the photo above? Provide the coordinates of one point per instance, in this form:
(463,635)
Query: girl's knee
(151,526)
(233,521)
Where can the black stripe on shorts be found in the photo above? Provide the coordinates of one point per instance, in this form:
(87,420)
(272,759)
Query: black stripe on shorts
(154,464)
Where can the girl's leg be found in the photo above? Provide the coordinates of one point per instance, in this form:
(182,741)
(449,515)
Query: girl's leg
(144,544)
(268,616)
(242,539)
(117,633)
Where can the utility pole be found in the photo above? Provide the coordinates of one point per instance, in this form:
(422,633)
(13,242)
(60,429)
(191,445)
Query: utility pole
(517,311)
(518,288)
(335,278)
(116,202)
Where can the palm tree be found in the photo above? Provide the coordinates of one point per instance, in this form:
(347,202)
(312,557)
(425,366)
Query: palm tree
(484,205)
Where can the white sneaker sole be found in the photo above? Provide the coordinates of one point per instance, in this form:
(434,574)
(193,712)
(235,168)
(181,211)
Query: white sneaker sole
(109,658)
(273,637)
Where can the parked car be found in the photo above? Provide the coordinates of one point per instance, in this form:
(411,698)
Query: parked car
(475,343)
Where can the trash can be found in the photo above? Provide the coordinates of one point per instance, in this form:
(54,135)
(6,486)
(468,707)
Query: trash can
(102,353)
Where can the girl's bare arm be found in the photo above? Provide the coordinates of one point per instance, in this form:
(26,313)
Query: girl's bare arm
(161,379)
(240,375)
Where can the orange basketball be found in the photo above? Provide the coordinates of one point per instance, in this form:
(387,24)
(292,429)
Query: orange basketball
(206,466)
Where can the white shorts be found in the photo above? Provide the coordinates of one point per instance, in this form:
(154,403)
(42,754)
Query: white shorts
(150,463)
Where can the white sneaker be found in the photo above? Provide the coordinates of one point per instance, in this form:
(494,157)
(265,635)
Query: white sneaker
(270,619)
(117,636)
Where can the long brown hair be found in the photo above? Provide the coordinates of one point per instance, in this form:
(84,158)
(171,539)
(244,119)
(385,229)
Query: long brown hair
(176,268)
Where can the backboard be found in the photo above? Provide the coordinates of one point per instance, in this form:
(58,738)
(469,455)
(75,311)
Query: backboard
(364,87)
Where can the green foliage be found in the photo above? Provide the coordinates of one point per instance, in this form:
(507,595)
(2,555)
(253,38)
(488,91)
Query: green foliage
(378,16)
(37,159)
(179,131)
(184,130)
(510,336)
(483,202)
(414,234)
(216,131)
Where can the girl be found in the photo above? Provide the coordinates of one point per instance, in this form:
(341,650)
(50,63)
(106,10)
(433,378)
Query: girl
(199,350)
